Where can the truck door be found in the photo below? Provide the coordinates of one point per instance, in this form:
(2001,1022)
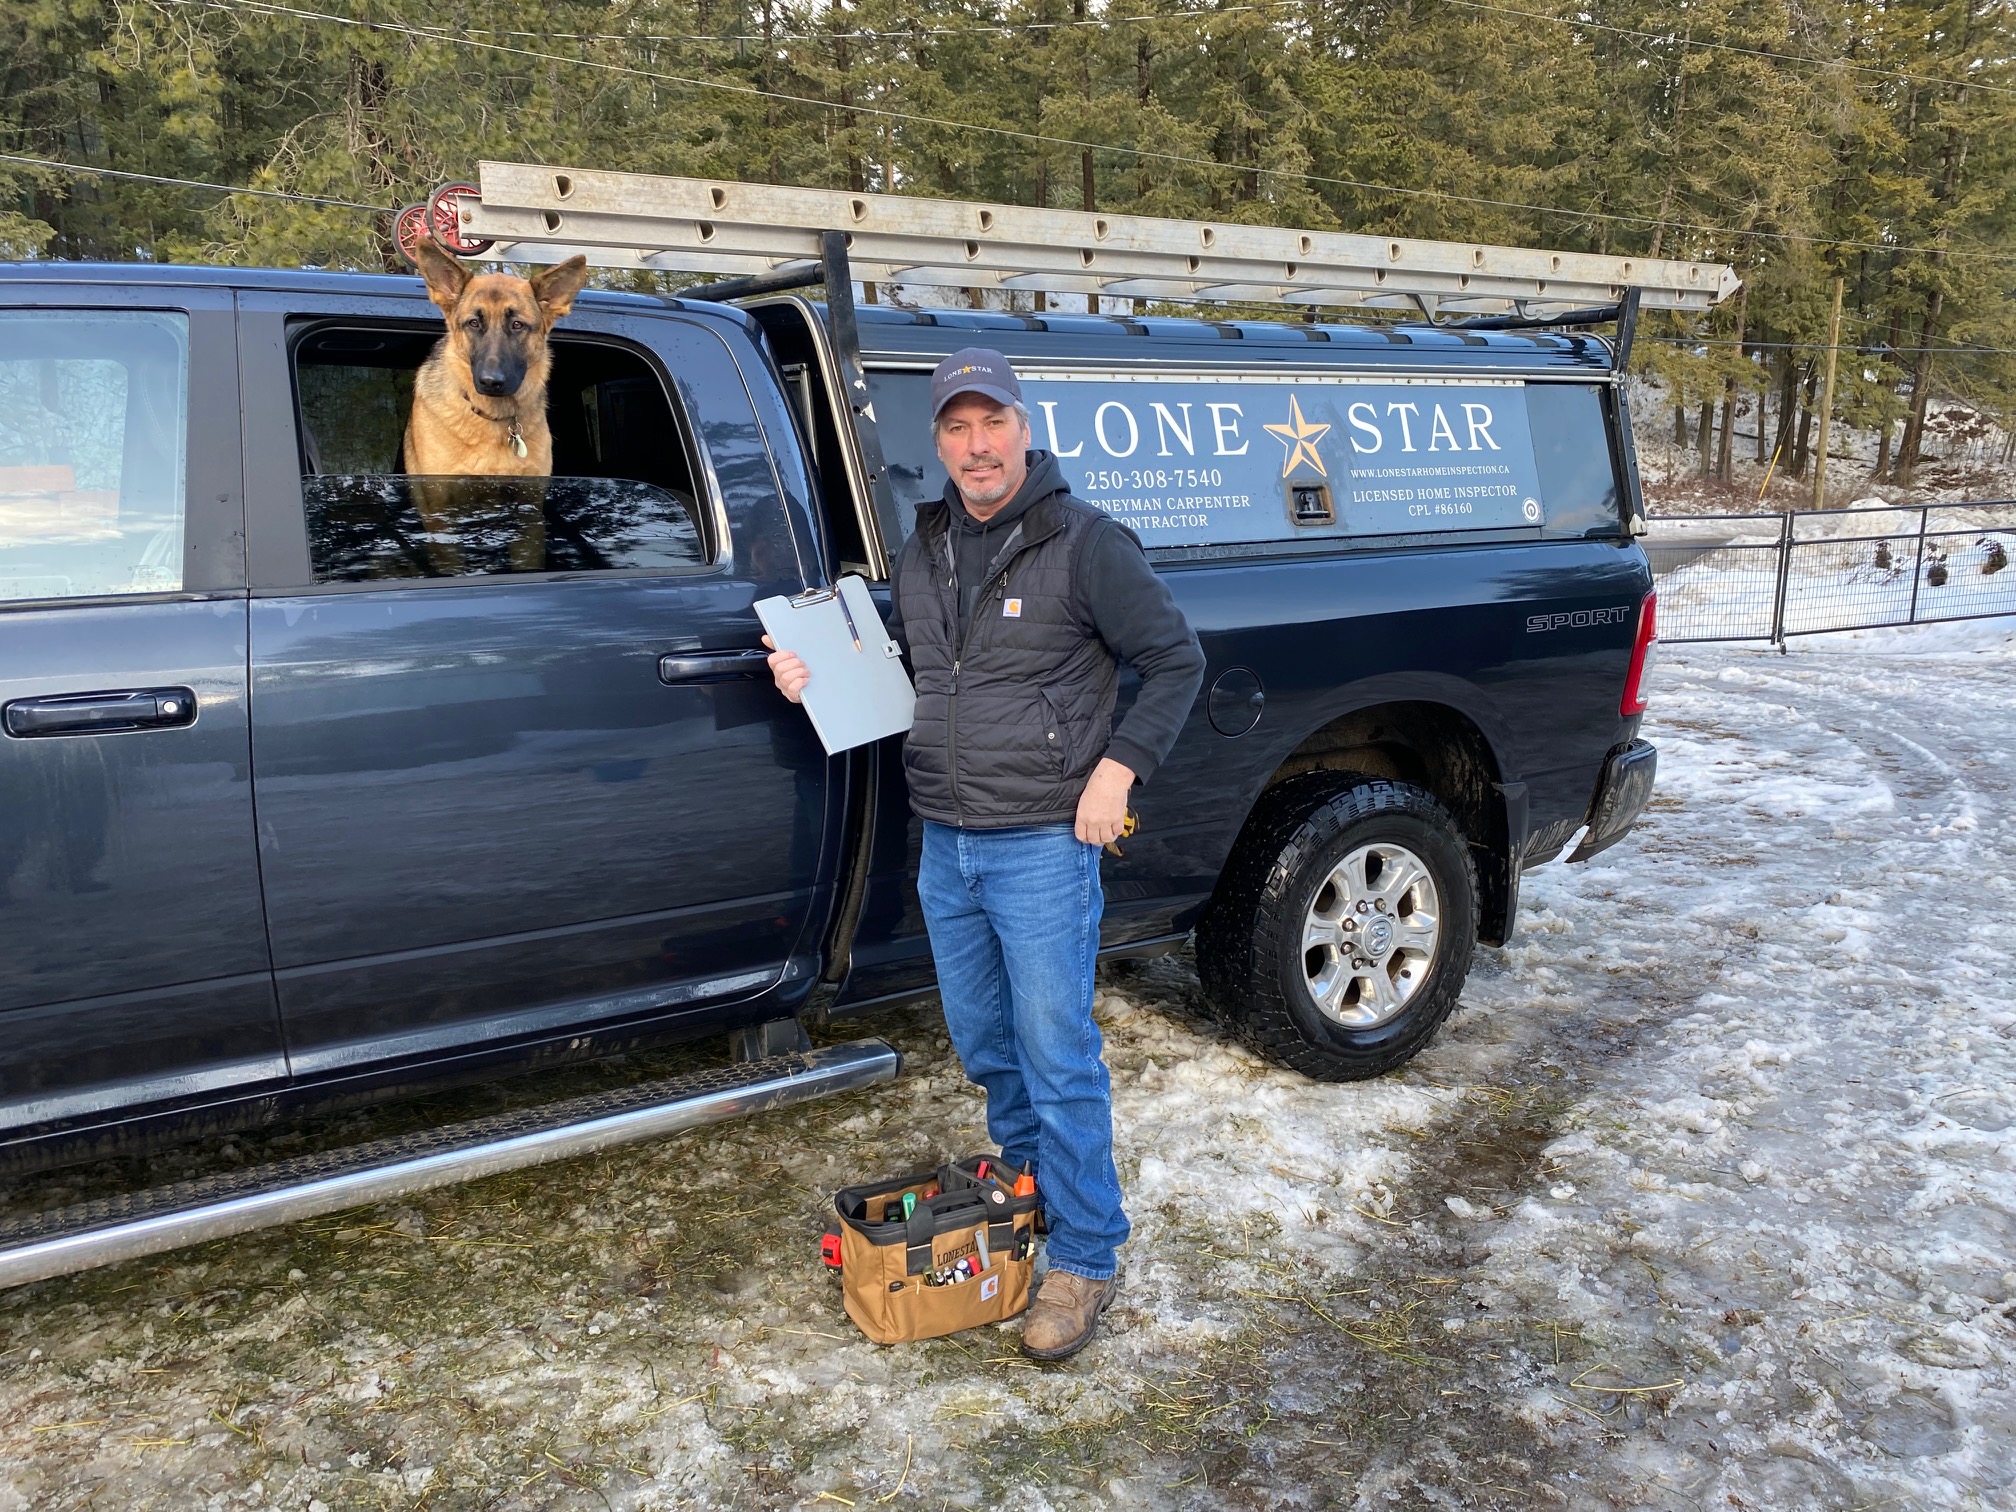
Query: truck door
(888,952)
(521,770)
(133,959)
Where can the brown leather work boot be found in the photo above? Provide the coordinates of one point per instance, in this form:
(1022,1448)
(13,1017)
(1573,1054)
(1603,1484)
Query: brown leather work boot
(1065,1315)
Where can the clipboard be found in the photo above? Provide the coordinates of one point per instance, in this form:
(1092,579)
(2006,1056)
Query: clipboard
(859,692)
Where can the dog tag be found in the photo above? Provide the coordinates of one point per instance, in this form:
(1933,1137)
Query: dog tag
(517,442)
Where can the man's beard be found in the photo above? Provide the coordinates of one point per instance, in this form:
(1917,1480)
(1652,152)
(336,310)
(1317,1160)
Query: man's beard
(990,496)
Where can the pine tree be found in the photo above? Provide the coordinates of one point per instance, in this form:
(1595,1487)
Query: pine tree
(1795,142)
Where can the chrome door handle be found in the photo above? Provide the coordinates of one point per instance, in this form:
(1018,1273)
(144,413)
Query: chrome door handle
(101,713)
(712,666)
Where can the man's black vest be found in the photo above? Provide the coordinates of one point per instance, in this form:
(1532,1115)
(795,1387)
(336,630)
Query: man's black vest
(1008,726)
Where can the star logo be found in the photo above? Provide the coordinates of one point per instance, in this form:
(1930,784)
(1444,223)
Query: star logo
(1298,438)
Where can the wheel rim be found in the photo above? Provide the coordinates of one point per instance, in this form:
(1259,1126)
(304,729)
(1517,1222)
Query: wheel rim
(1369,937)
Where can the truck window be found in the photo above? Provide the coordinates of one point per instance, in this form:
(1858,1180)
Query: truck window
(902,403)
(1571,446)
(795,331)
(93,424)
(1257,458)
(621,497)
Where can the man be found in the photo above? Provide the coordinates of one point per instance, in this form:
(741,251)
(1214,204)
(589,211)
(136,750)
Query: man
(1015,604)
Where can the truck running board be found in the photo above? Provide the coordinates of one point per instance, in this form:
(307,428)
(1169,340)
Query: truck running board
(130,1225)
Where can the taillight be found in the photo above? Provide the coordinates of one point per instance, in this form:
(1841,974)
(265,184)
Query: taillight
(1633,701)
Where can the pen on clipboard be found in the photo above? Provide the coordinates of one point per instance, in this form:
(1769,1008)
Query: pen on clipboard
(820,595)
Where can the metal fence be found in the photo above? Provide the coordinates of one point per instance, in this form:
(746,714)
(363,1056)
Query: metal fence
(1767,576)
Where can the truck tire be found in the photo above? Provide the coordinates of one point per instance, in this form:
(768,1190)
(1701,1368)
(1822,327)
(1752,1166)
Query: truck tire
(1343,926)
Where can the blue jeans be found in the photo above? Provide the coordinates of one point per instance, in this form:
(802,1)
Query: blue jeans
(1014,921)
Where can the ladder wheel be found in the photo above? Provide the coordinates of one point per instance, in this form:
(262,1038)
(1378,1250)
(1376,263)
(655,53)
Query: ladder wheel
(444,216)
(408,227)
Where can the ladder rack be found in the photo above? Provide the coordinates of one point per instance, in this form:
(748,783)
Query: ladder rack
(766,233)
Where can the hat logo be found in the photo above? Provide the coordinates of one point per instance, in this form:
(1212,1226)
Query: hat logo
(975,371)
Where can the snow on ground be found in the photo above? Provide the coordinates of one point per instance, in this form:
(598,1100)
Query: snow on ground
(1807,1165)
(1979,637)
(1706,1198)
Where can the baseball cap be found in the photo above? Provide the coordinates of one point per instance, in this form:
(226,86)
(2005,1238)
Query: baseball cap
(974,370)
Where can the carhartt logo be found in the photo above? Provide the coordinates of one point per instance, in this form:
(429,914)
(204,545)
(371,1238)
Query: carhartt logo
(1011,609)
(989,1287)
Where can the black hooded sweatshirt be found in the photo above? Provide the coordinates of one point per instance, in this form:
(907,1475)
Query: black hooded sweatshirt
(1129,607)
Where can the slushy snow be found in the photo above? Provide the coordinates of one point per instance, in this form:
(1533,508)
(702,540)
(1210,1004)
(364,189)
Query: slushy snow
(1800,1180)
(1704,1199)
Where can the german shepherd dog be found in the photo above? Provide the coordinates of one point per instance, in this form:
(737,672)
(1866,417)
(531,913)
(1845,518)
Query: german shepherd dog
(479,400)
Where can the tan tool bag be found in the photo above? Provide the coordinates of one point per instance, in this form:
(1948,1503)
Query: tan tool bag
(963,1257)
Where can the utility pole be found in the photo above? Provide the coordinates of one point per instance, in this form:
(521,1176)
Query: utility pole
(1827,401)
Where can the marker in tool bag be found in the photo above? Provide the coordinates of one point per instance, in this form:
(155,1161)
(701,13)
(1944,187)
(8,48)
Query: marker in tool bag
(980,1171)
(909,1203)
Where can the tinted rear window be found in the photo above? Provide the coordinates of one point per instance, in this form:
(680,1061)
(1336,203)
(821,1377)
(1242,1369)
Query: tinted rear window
(1571,448)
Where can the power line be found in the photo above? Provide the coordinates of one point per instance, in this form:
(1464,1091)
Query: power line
(1010,28)
(400,28)
(1728,47)
(84,169)
(1866,321)
(1866,348)
(872,34)
(1882,323)
(1959,349)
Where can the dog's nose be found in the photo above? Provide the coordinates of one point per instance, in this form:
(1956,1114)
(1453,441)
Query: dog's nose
(493,383)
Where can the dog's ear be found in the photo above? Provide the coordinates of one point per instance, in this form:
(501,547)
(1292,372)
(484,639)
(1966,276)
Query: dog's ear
(446,276)
(555,288)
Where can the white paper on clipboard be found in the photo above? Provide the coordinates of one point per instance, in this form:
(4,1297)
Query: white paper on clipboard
(859,691)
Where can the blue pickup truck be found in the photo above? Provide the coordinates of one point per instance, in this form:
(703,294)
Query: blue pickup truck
(297,807)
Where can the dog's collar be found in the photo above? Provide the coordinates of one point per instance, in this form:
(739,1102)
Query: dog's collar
(512,434)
